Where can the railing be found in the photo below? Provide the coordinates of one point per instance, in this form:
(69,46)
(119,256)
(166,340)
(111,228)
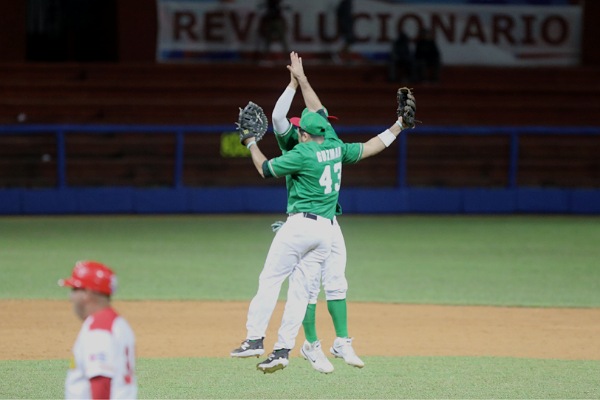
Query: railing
(514,134)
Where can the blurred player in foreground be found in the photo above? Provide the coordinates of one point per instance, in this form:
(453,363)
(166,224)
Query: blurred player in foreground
(103,364)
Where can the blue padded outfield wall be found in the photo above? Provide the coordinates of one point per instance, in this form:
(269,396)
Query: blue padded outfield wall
(267,200)
(65,199)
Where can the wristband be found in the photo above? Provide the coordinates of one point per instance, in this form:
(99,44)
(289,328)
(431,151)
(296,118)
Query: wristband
(250,144)
(387,137)
(399,124)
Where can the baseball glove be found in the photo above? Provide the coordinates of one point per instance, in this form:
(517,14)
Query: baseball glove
(407,107)
(252,122)
(275,226)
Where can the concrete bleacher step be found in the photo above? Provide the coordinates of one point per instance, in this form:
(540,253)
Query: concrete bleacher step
(210,94)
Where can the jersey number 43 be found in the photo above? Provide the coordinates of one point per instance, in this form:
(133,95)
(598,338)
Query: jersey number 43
(331,181)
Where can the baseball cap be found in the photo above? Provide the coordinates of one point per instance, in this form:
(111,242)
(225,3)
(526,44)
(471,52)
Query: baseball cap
(91,275)
(312,123)
(329,117)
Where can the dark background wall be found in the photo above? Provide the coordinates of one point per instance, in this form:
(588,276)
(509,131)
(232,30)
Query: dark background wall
(13,15)
(591,33)
(137,22)
(133,23)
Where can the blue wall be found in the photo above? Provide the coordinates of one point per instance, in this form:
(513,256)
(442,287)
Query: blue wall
(268,200)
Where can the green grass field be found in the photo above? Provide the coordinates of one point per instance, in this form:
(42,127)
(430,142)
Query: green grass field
(538,261)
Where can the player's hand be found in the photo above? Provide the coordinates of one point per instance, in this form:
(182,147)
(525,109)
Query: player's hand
(295,66)
(293,81)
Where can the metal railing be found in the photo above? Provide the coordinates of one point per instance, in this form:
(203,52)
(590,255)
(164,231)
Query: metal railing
(180,131)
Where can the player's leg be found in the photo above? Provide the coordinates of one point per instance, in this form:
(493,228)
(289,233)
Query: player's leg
(335,284)
(311,349)
(278,266)
(336,287)
(314,239)
(309,322)
(332,272)
(297,300)
(332,268)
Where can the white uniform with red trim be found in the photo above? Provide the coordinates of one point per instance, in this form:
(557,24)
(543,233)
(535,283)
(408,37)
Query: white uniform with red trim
(105,347)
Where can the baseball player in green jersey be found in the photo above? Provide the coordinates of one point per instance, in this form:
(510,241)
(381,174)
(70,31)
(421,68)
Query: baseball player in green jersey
(315,167)
(332,273)
(304,243)
(333,270)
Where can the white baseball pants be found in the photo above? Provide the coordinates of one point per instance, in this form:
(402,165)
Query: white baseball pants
(298,251)
(333,270)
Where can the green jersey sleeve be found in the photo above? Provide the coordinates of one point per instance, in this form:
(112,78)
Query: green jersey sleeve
(288,139)
(352,153)
(286,164)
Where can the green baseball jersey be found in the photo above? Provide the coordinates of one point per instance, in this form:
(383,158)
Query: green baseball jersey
(315,174)
(288,139)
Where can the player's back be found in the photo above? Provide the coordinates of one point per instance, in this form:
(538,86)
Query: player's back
(317,183)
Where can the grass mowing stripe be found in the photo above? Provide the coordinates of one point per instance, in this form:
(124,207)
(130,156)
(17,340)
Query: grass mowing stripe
(382,378)
(535,261)
(491,260)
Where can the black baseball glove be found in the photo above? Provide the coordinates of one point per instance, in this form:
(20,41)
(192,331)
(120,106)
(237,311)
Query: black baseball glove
(252,122)
(407,107)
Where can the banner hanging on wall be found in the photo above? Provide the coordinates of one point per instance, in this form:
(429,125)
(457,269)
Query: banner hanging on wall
(466,34)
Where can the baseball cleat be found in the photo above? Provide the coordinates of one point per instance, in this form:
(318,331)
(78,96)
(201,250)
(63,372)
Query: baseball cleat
(314,354)
(342,348)
(277,360)
(249,348)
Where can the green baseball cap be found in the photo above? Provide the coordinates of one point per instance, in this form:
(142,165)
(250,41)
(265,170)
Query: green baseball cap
(312,123)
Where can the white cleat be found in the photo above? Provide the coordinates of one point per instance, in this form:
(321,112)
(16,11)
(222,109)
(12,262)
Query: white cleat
(314,354)
(342,348)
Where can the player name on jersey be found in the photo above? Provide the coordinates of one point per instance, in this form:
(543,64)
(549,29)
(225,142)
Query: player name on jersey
(329,154)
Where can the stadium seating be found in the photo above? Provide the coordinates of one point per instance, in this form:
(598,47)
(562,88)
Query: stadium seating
(359,94)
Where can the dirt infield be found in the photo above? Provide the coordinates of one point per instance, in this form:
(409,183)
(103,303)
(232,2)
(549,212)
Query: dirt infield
(33,329)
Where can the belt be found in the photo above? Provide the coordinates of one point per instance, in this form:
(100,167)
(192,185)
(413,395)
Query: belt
(313,216)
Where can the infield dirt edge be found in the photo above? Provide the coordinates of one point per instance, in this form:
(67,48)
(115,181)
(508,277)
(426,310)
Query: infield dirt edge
(46,329)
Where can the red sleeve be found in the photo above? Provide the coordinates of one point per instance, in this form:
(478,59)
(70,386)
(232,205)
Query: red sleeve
(100,387)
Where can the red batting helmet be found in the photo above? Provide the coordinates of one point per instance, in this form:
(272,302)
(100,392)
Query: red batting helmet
(91,275)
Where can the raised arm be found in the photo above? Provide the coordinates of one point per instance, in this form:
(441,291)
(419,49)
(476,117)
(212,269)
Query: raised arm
(311,100)
(407,107)
(282,106)
(378,143)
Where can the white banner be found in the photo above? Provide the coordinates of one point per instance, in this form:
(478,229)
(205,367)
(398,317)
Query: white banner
(506,35)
